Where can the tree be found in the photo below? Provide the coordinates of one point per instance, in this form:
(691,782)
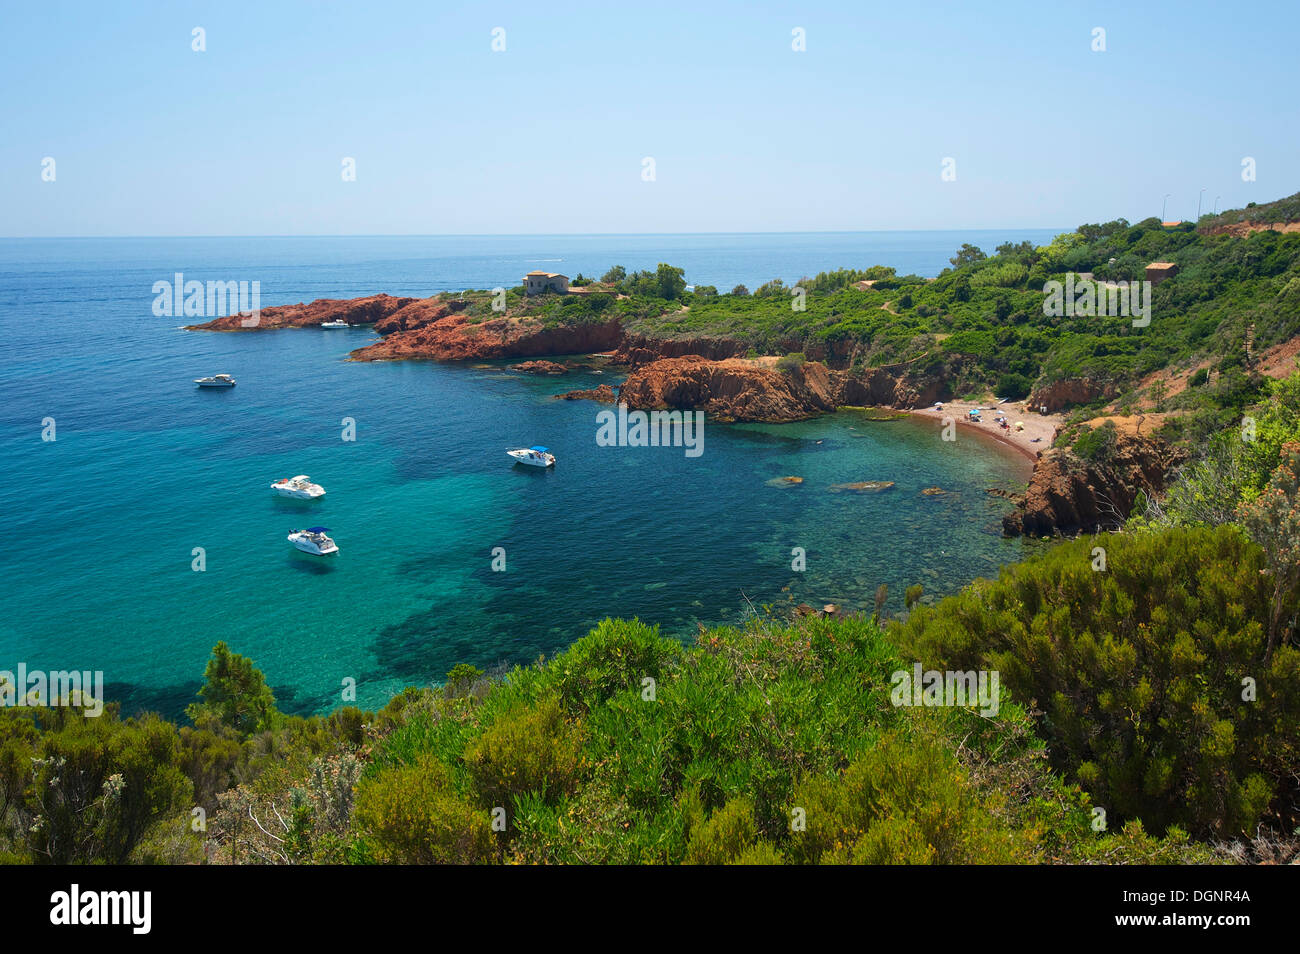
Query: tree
(740,291)
(967,255)
(1158,393)
(234,693)
(670,281)
(614,275)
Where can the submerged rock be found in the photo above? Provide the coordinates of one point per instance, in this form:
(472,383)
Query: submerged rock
(605,394)
(784,482)
(933,492)
(861,487)
(540,367)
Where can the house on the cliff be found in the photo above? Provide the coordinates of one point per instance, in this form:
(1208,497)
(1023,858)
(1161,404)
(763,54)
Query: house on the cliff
(536,283)
(1159,271)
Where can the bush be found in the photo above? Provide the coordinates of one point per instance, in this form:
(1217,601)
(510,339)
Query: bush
(904,801)
(409,815)
(615,656)
(531,748)
(1097,444)
(726,836)
(1013,386)
(790,362)
(1150,675)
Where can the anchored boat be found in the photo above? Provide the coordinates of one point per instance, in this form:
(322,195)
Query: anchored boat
(216,381)
(313,540)
(300,487)
(533,456)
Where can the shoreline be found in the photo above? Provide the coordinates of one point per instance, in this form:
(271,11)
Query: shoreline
(1042,426)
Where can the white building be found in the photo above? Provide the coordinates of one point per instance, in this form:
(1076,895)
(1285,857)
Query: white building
(535,283)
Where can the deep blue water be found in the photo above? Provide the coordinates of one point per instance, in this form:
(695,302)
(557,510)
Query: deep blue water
(98,527)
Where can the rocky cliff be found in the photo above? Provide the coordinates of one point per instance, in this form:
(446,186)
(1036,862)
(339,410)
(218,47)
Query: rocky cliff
(1070,495)
(737,389)
(1068,392)
(451,336)
(355,311)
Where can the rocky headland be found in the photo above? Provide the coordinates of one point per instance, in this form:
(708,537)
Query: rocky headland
(1065,493)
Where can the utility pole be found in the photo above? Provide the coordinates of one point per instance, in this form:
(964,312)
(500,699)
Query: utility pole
(1164,205)
(1216,204)
(1198,205)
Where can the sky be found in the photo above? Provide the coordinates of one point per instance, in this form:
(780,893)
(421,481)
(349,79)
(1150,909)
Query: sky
(551,134)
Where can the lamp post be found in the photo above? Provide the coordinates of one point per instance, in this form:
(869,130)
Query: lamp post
(1216,204)
(1198,205)
(1164,205)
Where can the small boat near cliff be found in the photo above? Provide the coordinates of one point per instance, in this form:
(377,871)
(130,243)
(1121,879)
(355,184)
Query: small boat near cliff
(335,324)
(313,540)
(300,487)
(533,456)
(216,381)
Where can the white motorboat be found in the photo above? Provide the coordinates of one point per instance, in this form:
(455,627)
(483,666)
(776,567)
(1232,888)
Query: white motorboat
(300,487)
(216,381)
(313,540)
(533,456)
(335,324)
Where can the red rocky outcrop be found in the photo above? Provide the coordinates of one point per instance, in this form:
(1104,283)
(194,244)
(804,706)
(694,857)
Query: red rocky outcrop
(1070,495)
(355,311)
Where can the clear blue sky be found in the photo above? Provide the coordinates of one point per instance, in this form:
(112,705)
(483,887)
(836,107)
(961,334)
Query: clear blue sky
(152,138)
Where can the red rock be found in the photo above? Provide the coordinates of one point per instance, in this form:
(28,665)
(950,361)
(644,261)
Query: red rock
(355,311)
(1067,494)
(540,367)
(453,337)
(604,394)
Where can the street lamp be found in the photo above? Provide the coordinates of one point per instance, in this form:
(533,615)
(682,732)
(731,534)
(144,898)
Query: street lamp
(1198,205)
(1216,204)
(1164,205)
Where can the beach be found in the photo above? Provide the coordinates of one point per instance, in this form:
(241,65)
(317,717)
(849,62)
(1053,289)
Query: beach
(1038,433)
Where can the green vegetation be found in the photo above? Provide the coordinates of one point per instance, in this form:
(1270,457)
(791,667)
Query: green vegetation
(1267,213)
(790,362)
(1149,679)
(1159,692)
(765,744)
(980,325)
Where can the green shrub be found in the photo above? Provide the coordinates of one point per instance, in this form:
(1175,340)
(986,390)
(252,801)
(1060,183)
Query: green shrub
(1097,444)
(615,656)
(904,801)
(410,815)
(790,362)
(1150,673)
(727,835)
(1013,386)
(531,748)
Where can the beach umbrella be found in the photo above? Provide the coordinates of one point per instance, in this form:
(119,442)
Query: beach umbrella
(1020,425)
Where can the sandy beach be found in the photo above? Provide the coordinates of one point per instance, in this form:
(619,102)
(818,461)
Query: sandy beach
(1040,426)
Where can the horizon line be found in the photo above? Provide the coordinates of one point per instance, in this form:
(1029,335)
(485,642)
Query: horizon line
(1030,228)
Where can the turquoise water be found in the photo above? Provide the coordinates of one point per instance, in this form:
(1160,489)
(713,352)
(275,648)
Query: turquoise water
(98,527)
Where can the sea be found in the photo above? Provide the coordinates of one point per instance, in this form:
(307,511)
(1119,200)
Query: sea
(137,527)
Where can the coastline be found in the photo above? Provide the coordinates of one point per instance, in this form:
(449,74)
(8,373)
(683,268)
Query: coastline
(1042,426)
